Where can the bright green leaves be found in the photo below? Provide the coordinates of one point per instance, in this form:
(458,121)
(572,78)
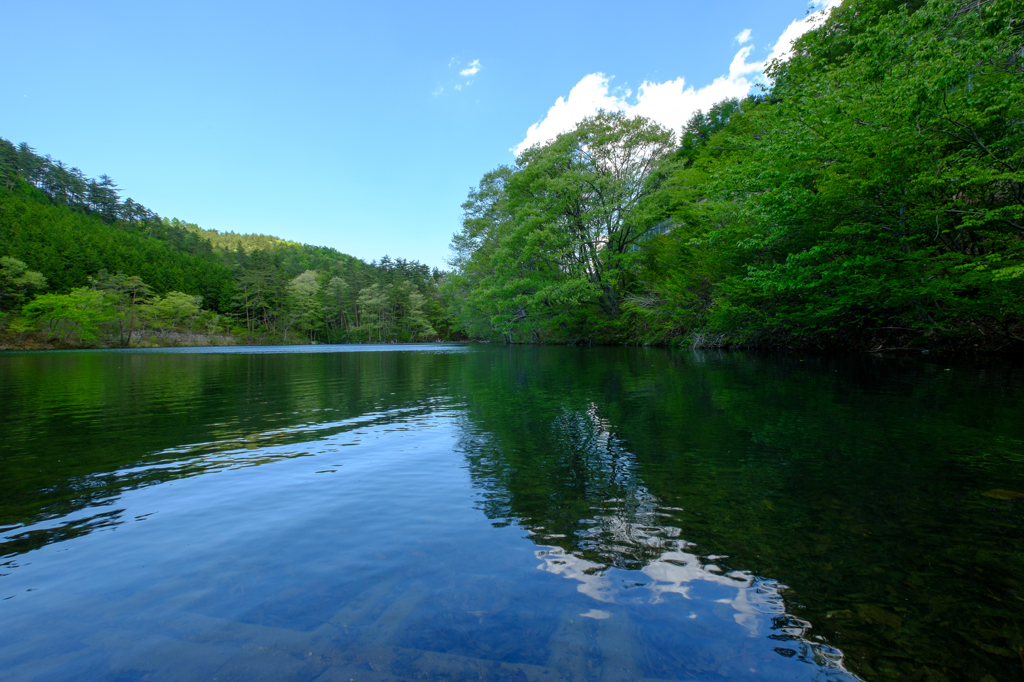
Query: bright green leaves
(877,193)
(17,282)
(303,310)
(173,310)
(75,316)
(389,312)
(548,249)
(264,288)
(885,191)
(114,308)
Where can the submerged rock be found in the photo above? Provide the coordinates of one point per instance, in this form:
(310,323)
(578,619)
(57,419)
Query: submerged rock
(876,614)
(999,494)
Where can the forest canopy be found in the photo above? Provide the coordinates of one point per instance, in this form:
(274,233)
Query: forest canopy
(82,266)
(871,198)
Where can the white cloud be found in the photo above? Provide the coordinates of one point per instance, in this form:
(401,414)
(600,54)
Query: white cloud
(585,99)
(784,45)
(670,103)
(471,70)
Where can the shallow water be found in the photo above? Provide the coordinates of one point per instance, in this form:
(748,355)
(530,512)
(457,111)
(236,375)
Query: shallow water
(454,512)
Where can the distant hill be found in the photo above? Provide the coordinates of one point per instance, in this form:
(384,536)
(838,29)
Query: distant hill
(69,227)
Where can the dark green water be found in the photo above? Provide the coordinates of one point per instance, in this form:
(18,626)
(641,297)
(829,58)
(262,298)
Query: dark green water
(509,514)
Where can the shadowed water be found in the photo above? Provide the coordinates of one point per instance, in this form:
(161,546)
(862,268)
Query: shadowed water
(454,512)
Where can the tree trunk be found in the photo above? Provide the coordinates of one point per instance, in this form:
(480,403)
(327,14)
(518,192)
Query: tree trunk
(131,319)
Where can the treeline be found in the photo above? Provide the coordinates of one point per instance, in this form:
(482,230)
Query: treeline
(873,198)
(64,236)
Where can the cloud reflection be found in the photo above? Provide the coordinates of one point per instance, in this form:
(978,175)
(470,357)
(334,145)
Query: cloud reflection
(627,534)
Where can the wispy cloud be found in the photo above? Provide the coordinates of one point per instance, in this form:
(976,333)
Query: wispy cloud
(463,79)
(670,103)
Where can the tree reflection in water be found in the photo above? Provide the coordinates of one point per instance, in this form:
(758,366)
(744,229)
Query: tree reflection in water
(629,531)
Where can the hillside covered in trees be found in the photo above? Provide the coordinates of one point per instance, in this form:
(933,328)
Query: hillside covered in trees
(79,265)
(873,198)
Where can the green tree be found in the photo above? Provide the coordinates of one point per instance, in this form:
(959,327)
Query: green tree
(415,321)
(374,312)
(304,310)
(577,203)
(79,314)
(335,295)
(173,310)
(551,246)
(17,282)
(702,126)
(8,164)
(129,293)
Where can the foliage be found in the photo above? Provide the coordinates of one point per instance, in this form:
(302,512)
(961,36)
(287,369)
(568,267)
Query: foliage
(900,203)
(303,306)
(16,281)
(173,310)
(874,198)
(73,232)
(551,245)
(128,293)
(702,126)
(76,315)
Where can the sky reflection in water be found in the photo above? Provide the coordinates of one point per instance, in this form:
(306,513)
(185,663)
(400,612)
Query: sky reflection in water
(506,513)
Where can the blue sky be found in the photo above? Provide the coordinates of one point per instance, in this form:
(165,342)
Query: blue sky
(350,124)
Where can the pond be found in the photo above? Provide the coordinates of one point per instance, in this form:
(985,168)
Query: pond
(509,513)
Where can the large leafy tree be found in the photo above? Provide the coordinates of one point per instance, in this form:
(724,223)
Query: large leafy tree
(577,203)
(374,308)
(77,315)
(549,247)
(303,306)
(173,310)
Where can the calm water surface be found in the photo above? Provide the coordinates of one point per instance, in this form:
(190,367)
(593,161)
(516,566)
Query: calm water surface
(466,513)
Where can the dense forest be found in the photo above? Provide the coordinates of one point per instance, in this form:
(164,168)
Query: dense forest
(79,266)
(872,198)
